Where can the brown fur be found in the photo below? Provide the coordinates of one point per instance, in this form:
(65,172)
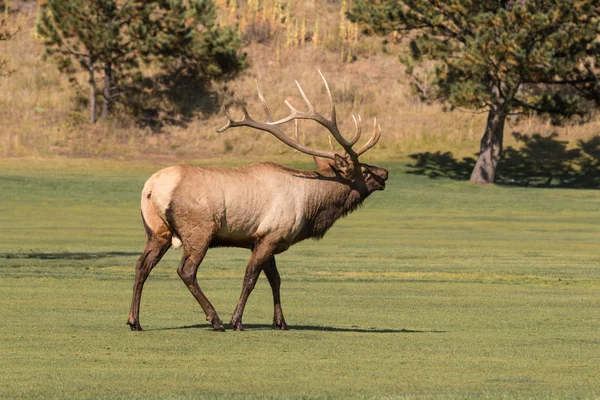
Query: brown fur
(263,207)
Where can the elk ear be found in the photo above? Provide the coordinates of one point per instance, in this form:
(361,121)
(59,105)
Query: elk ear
(322,163)
(342,165)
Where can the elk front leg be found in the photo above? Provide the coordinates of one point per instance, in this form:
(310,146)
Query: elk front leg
(187,271)
(270,269)
(260,254)
(156,247)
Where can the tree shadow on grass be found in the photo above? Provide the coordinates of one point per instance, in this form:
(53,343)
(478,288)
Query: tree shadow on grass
(315,328)
(541,161)
(67,255)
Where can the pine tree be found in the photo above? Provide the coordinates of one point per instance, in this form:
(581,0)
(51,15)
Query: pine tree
(507,57)
(190,41)
(113,38)
(89,35)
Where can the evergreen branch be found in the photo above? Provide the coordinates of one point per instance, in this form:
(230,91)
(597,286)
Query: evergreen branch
(123,7)
(448,32)
(448,14)
(420,20)
(526,106)
(81,57)
(73,52)
(573,82)
(495,68)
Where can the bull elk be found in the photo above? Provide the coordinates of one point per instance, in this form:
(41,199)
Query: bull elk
(264,207)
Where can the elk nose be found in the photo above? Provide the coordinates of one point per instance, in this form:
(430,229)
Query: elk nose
(385,175)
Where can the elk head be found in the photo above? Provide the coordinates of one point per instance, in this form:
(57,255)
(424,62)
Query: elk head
(365,178)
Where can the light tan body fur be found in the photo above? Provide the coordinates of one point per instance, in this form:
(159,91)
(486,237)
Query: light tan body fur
(240,205)
(264,207)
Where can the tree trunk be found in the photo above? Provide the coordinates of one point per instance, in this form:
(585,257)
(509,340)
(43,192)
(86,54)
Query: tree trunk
(106,91)
(490,149)
(92,93)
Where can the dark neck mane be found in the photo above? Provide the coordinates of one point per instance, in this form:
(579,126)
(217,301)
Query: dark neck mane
(331,199)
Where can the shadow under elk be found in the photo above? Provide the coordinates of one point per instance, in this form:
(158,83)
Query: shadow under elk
(264,207)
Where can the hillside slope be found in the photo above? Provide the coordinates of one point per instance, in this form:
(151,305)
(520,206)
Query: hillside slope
(42,113)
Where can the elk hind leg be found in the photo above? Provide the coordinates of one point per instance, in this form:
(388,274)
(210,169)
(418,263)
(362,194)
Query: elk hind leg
(187,271)
(260,254)
(270,269)
(158,241)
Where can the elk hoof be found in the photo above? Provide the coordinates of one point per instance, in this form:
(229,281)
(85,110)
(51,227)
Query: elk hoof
(218,325)
(282,326)
(135,326)
(237,325)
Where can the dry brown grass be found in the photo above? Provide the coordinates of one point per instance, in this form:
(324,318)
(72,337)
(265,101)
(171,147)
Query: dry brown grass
(40,114)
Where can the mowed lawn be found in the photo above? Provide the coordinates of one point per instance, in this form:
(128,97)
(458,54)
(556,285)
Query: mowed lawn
(434,289)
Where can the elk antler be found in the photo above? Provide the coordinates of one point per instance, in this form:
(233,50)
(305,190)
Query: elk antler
(330,124)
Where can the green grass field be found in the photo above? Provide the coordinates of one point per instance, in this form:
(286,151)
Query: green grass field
(434,289)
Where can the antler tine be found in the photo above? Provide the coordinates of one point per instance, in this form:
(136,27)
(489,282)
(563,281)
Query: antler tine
(331,146)
(358,125)
(308,103)
(264,102)
(332,126)
(295,113)
(373,140)
(300,115)
(333,114)
(228,124)
(296,131)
